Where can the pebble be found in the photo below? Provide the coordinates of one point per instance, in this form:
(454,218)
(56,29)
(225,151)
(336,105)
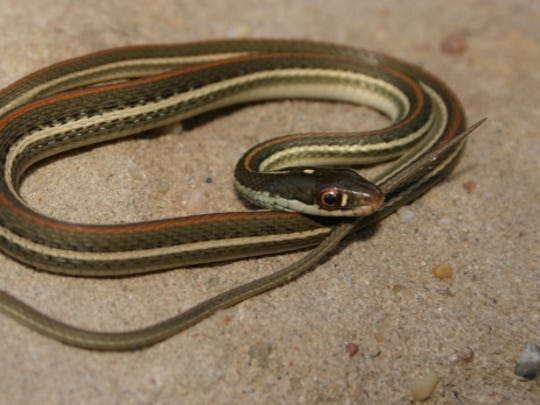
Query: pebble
(446,221)
(442,271)
(422,387)
(455,43)
(261,353)
(194,202)
(465,356)
(528,365)
(406,214)
(134,170)
(351,348)
(162,187)
(462,356)
(469,186)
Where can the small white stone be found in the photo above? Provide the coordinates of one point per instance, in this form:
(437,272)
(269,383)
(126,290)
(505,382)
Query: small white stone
(406,214)
(134,170)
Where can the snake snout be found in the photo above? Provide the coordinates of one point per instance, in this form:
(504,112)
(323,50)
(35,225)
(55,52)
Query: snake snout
(367,201)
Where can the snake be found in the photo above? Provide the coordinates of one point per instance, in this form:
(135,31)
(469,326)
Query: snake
(306,185)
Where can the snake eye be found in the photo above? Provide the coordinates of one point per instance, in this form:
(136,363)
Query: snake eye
(329,198)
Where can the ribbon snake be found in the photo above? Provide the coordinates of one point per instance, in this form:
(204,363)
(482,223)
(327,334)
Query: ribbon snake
(119,92)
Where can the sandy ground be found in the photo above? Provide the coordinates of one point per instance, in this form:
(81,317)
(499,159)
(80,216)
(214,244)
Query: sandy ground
(377,291)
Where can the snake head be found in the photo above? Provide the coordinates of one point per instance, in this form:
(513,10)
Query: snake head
(338,192)
(346,193)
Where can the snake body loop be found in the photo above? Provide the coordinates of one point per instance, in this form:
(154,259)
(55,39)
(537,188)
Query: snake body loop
(62,107)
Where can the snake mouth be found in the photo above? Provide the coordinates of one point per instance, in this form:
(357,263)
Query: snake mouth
(376,199)
(366,202)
